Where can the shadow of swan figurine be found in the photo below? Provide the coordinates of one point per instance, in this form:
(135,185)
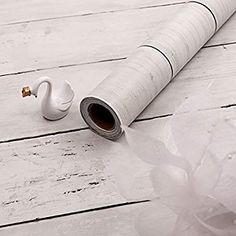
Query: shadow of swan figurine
(55,105)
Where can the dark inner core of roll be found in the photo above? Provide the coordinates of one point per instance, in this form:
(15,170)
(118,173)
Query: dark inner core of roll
(101,116)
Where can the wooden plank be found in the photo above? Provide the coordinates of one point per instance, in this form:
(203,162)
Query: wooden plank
(12,12)
(25,119)
(57,174)
(72,41)
(116,221)
(77,171)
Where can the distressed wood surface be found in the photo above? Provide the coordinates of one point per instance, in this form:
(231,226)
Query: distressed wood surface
(76,171)
(57,174)
(25,121)
(71,170)
(71,41)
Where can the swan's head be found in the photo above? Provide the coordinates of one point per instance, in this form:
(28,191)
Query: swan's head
(28,91)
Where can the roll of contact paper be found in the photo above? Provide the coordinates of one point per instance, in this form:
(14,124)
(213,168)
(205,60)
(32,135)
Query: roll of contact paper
(124,94)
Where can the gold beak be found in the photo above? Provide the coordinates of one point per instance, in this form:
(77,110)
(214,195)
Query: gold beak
(26,91)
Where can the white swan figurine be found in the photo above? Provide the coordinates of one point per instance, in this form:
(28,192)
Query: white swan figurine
(55,105)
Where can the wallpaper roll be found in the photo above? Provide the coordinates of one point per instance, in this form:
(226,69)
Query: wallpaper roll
(124,94)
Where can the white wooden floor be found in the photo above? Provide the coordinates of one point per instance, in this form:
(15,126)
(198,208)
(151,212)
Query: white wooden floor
(56,178)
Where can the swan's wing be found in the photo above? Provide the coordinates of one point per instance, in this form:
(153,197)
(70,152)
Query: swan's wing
(65,95)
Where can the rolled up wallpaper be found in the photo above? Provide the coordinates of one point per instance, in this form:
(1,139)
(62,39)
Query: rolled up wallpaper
(124,94)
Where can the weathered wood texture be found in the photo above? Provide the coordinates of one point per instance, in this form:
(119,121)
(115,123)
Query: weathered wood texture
(57,174)
(73,172)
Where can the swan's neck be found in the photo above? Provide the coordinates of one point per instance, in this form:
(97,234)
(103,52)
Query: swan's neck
(40,81)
